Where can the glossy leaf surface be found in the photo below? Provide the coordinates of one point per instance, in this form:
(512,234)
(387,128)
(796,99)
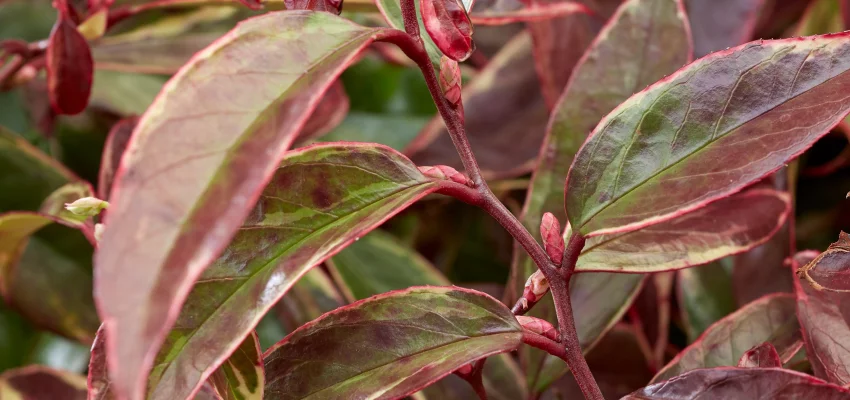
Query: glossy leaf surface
(196,164)
(69,68)
(728,226)
(413,337)
(297,223)
(823,314)
(770,319)
(37,382)
(761,356)
(721,24)
(505,117)
(742,383)
(707,131)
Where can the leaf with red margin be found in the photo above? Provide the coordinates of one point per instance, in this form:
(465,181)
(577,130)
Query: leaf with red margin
(113,149)
(412,338)
(707,131)
(195,167)
(38,382)
(610,71)
(728,226)
(239,377)
(761,356)
(721,24)
(525,13)
(330,6)
(823,313)
(505,117)
(391,10)
(70,68)
(742,383)
(770,319)
(448,25)
(321,199)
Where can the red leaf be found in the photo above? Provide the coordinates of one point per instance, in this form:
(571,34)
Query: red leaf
(742,383)
(331,6)
(448,25)
(761,356)
(255,4)
(550,231)
(69,68)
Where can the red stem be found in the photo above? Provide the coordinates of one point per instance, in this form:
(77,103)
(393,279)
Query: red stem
(481,195)
(543,343)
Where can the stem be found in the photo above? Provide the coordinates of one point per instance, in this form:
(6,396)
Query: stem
(543,343)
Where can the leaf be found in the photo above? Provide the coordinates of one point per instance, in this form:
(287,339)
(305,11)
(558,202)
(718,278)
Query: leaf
(116,143)
(27,172)
(761,356)
(150,55)
(197,161)
(124,93)
(770,319)
(505,117)
(239,377)
(823,315)
(742,383)
(37,382)
(69,68)
(705,296)
(448,25)
(391,10)
(311,296)
(378,263)
(22,344)
(297,223)
(728,226)
(821,16)
(613,63)
(412,338)
(330,112)
(527,13)
(721,24)
(707,131)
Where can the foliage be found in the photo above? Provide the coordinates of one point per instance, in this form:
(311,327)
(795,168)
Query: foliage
(293,199)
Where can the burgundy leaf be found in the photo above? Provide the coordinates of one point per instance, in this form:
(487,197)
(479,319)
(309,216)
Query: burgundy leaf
(761,356)
(69,68)
(113,149)
(742,383)
(720,24)
(822,309)
(197,163)
(331,6)
(36,382)
(447,22)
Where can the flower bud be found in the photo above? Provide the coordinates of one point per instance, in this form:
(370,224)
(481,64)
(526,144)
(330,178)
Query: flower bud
(445,173)
(538,326)
(553,242)
(448,24)
(450,81)
(87,206)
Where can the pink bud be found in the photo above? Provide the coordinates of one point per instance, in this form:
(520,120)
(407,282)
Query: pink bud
(445,173)
(550,231)
(450,80)
(448,25)
(538,326)
(69,66)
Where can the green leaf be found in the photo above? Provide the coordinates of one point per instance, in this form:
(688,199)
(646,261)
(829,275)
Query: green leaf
(198,161)
(707,131)
(643,41)
(37,382)
(769,319)
(321,198)
(728,226)
(705,296)
(395,344)
(378,263)
(28,173)
(125,93)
